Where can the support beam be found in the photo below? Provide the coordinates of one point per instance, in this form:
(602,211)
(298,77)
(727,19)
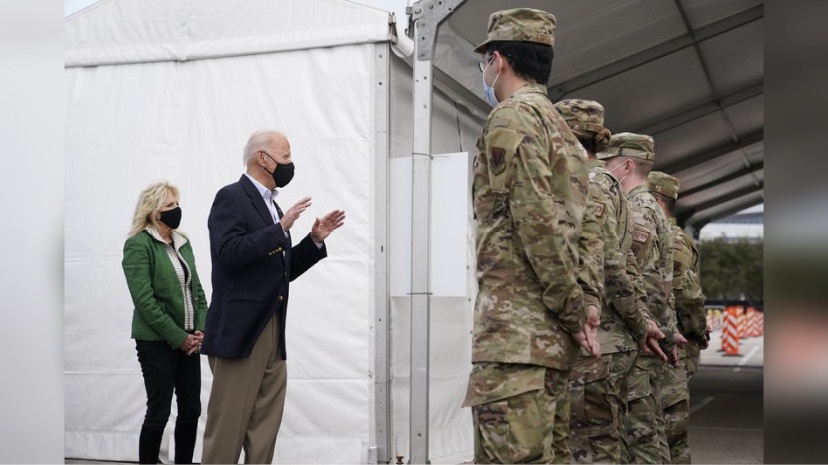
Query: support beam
(559,90)
(682,217)
(698,225)
(427,15)
(686,115)
(730,177)
(692,161)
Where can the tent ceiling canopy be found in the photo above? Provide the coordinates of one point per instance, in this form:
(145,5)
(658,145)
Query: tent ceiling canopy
(687,72)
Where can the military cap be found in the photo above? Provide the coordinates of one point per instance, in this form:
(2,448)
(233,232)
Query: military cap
(629,144)
(520,24)
(582,115)
(664,184)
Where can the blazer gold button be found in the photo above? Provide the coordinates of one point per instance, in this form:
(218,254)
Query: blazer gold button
(279,249)
(281,298)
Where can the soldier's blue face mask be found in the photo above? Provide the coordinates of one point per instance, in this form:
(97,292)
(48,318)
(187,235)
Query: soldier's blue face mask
(488,91)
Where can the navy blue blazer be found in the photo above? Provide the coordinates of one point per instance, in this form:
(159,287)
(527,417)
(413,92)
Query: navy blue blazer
(251,275)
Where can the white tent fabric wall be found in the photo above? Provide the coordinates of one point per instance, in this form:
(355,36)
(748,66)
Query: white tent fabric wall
(165,90)
(131,124)
(188,122)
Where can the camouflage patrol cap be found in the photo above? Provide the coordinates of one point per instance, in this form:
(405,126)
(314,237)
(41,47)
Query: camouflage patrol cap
(582,115)
(664,184)
(629,144)
(520,24)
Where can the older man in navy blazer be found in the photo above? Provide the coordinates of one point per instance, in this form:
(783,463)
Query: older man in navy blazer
(244,337)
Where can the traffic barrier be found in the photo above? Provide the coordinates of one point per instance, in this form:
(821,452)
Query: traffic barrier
(718,319)
(752,322)
(742,321)
(760,323)
(730,334)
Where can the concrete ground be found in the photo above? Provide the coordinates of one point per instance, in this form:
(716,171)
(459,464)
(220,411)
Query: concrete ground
(726,419)
(726,398)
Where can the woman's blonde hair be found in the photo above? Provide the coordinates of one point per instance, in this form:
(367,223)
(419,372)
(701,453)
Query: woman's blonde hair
(150,201)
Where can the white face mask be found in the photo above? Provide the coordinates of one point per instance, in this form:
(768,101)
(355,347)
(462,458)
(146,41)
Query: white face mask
(620,181)
(488,91)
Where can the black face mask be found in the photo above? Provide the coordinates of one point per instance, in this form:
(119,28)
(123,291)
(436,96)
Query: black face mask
(282,174)
(172,218)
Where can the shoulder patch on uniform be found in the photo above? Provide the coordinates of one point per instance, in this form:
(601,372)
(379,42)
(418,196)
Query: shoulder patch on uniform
(496,156)
(640,235)
(600,208)
(501,121)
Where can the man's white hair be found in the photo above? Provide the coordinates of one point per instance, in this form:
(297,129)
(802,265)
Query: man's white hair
(259,140)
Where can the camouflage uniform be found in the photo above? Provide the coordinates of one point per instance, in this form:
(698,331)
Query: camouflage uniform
(652,247)
(529,194)
(689,298)
(598,386)
(689,304)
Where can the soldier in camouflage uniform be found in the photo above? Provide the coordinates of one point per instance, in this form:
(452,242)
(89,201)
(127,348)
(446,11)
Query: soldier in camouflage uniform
(689,304)
(599,386)
(529,194)
(630,157)
(687,291)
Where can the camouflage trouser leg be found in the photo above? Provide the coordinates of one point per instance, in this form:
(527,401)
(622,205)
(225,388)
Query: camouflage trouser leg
(557,385)
(677,417)
(645,423)
(675,399)
(598,391)
(520,428)
(692,366)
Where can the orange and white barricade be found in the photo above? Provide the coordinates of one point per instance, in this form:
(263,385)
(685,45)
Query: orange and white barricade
(730,334)
(752,322)
(760,323)
(715,322)
(742,321)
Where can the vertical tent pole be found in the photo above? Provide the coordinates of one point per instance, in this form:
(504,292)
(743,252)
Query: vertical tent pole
(426,16)
(382,376)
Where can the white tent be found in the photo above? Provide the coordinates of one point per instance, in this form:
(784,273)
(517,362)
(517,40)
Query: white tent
(171,89)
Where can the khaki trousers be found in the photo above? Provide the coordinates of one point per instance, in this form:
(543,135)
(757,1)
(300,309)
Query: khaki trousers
(247,400)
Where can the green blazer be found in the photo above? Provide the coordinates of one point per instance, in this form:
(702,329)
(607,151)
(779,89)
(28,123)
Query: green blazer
(156,290)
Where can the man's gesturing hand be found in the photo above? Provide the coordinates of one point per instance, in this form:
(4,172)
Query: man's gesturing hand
(324,226)
(292,214)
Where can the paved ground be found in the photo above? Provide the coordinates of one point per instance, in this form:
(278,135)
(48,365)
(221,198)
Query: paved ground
(726,420)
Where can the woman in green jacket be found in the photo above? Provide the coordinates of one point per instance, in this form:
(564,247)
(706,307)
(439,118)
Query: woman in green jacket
(167,324)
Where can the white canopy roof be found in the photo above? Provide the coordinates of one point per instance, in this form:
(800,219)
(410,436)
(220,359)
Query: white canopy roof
(181,30)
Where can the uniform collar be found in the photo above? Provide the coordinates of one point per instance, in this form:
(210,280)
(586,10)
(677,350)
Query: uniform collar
(596,163)
(530,88)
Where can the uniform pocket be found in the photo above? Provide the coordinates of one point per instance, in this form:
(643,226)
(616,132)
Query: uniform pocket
(492,382)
